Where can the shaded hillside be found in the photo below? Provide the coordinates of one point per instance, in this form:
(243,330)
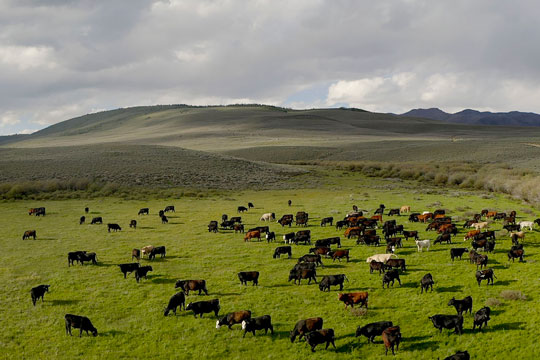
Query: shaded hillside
(473,117)
(4,140)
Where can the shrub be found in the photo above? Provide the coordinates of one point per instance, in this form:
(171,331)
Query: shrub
(359,311)
(493,302)
(513,295)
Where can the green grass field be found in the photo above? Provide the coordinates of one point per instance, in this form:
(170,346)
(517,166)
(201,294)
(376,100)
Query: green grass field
(129,316)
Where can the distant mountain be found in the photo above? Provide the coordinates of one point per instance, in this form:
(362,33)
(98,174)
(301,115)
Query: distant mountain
(468,116)
(12,138)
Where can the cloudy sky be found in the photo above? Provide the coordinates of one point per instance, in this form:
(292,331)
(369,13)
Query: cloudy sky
(64,58)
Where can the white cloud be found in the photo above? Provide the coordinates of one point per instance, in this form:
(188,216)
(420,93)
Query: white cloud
(8,118)
(27,57)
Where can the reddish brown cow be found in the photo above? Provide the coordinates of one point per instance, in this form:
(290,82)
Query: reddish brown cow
(471,234)
(338,254)
(252,235)
(354,298)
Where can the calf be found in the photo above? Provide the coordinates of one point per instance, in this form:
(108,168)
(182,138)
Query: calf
(96,220)
(114,227)
(311,258)
(213,226)
(317,337)
(377,266)
(246,276)
(299,274)
(240,228)
(457,252)
(332,280)
(327,220)
(373,329)
(282,250)
(29,234)
(481,317)
(443,237)
(354,299)
(516,254)
(410,234)
(144,211)
(177,300)
(448,322)
(485,275)
(460,355)
(203,307)
(128,268)
(141,272)
(340,224)
(320,250)
(259,323)
(157,250)
(391,337)
(233,318)
(462,306)
(133,224)
(270,236)
(481,260)
(396,263)
(79,322)
(390,276)
(136,253)
(427,282)
(339,254)
(423,244)
(82,220)
(303,327)
(192,285)
(38,292)
(241,209)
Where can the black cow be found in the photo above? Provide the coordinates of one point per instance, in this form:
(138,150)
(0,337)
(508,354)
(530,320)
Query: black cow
(192,285)
(133,224)
(393,212)
(289,202)
(224,217)
(460,355)
(144,211)
(377,266)
(462,306)
(96,220)
(203,307)
(302,327)
(396,263)
(511,227)
(270,236)
(164,219)
(410,234)
(340,224)
(246,276)
(304,266)
(317,337)
(114,227)
(86,210)
(161,213)
(259,323)
(28,234)
(157,250)
(236,219)
(38,292)
(329,241)
(82,220)
(213,226)
(299,274)
(241,209)
(443,237)
(327,220)
(481,260)
(288,238)
(457,252)
(373,329)
(332,280)
(413,217)
(282,250)
(177,300)
(84,256)
(314,258)
(390,276)
(250,205)
(516,254)
(448,322)
(128,268)
(74,256)
(79,322)
(142,272)
(426,283)
(169,208)
(481,317)
(485,275)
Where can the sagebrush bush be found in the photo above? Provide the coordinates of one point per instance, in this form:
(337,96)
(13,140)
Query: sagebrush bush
(513,295)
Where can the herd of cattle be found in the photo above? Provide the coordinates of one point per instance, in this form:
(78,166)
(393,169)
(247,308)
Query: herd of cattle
(356,225)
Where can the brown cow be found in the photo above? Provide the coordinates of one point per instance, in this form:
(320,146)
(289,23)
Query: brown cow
(352,231)
(354,298)
(338,254)
(471,234)
(425,217)
(29,233)
(233,318)
(377,217)
(391,337)
(252,235)
(491,214)
(303,327)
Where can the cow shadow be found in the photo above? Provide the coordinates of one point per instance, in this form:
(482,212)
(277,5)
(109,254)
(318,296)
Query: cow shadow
(333,266)
(102,264)
(404,252)
(46,238)
(414,270)
(504,282)
(278,285)
(146,227)
(422,345)
(158,279)
(505,327)
(410,285)
(175,223)
(221,294)
(112,333)
(449,288)
(64,302)
(344,348)
(357,261)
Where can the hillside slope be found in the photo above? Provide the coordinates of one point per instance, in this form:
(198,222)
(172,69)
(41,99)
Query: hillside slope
(473,117)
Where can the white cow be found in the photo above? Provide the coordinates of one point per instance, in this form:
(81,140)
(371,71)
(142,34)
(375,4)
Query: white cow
(268,217)
(524,224)
(481,225)
(380,258)
(146,250)
(423,244)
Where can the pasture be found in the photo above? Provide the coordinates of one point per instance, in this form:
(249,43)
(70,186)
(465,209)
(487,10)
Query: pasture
(129,315)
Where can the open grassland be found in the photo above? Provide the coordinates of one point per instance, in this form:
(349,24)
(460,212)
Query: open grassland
(129,316)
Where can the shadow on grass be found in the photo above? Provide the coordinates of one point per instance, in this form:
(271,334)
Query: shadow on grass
(102,264)
(63,302)
(333,266)
(405,252)
(46,238)
(146,227)
(279,285)
(504,282)
(449,288)
(157,279)
(343,348)
(112,333)
(423,345)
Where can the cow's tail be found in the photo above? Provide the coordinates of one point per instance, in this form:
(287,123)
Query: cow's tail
(393,255)
(346,278)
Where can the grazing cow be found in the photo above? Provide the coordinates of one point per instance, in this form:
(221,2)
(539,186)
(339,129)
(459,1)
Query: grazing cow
(314,258)
(354,298)
(84,256)
(393,212)
(270,236)
(161,213)
(228,224)
(144,211)
(443,237)
(192,285)
(332,280)
(526,224)
(157,250)
(353,231)
(250,205)
(246,276)
(38,292)
(479,244)
(414,217)
(261,229)
(405,209)
(391,337)
(114,227)
(485,275)
(259,323)
(460,355)
(516,236)
(169,208)
(512,227)
(463,305)
(481,260)
(236,219)
(285,221)
(282,250)
(233,318)
(239,228)
(203,307)
(425,217)
(516,254)
(484,212)
(491,214)
(302,327)
(369,239)
(224,217)
(317,337)
(423,244)
(537,221)
(37,211)
(373,329)
(390,276)
(320,250)
(410,234)
(396,263)
(299,274)
(86,210)
(288,238)
(252,235)
(79,322)
(128,268)
(289,202)
(241,209)
(213,226)
(133,224)
(82,220)
(142,272)
(136,253)
(468,223)
(481,317)
(178,300)
(164,219)
(74,256)
(380,258)
(339,254)
(499,216)
(268,217)
(327,220)
(457,252)
(481,225)
(376,266)
(340,224)
(29,233)
(146,250)
(448,322)
(426,282)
